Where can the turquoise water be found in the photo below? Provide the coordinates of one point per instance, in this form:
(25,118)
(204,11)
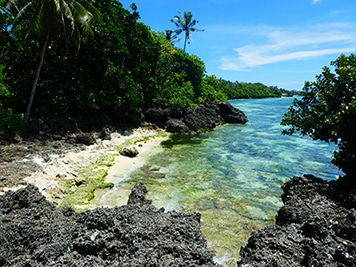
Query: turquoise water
(233,176)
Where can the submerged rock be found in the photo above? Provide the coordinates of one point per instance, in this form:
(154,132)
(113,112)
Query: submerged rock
(33,232)
(312,229)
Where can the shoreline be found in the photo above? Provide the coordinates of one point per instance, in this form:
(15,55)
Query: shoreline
(53,171)
(122,168)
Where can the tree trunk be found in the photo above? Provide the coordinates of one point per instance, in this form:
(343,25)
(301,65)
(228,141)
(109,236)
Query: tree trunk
(38,72)
(185,40)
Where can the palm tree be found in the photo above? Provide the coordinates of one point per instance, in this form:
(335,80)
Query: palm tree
(185,24)
(45,18)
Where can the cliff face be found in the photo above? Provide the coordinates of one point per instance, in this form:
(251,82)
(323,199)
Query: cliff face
(33,232)
(312,229)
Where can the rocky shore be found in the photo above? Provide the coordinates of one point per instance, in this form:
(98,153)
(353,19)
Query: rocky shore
(313,228)
(33,232)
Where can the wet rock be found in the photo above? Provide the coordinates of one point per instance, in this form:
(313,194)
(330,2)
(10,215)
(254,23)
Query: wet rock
(130,152)
(137,195)
(312,229)
(203,118)
(231,114)
(33,232)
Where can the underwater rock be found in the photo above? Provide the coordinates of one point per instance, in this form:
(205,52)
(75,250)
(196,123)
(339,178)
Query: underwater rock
(312,229)
(33,232)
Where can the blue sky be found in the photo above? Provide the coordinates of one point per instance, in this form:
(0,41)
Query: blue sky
(275,42)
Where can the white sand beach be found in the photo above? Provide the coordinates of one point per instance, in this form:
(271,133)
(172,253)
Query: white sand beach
(59,168)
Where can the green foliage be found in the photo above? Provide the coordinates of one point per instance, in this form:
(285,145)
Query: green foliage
(125,67)
(212,90)
(9,120)
(178,77)
(43,19)
(352,198)
(235,90)
(327,111)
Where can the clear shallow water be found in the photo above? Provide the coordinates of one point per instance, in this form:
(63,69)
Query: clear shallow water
(233,176)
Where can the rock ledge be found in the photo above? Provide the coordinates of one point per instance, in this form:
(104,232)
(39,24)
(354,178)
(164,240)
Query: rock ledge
(33,232)
(312,229)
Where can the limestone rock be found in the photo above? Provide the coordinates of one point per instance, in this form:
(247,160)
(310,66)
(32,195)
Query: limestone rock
(312,229)
(130,152)
(33,232)
(137,195)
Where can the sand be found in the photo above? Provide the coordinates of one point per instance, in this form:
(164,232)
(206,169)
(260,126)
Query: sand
(58,168)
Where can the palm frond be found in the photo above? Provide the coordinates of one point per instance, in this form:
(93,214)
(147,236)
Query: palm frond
(41,23)
(185,23)
(67,18)
(23,11)
(84,18)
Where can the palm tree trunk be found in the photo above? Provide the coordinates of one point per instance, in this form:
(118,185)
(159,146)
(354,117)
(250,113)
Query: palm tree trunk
(38,72)
(185,41)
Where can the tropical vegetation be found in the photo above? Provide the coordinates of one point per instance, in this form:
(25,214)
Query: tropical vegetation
(184,23)
(46,18)
(235,90)
(327,112)
(95,56)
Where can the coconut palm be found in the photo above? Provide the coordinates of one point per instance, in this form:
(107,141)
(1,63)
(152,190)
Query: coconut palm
(185,23)
(46,18)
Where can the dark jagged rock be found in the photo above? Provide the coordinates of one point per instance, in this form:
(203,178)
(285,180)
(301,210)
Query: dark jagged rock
(176,126)
(105,133)
(231,114)
(33,232)
(158,116)
(135,117)
(161,115)
(312,229)
(86,139)
(202,118)
(137,195)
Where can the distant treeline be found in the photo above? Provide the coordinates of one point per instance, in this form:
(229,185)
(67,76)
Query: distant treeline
(236,89)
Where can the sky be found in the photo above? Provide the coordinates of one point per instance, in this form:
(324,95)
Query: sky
(276,42)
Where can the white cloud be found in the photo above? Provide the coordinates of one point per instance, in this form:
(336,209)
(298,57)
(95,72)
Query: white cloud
(287,45)
(316,1)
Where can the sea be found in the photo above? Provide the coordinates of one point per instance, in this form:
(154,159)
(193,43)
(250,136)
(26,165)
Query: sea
(233,175)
